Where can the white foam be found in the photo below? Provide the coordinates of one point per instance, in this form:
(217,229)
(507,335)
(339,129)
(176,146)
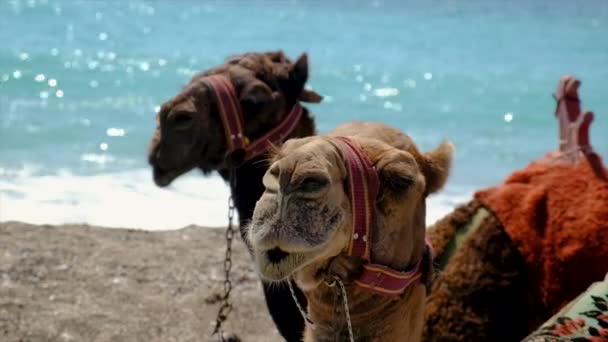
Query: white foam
(439,205)
(126,199)
(131,200)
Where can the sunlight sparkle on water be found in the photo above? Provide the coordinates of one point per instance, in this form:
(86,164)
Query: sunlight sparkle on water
(103,146)
(59,93)
(428,76)
(508,117)
(52,82)
(40,78)
(17,74)
(386,92)
(115,132)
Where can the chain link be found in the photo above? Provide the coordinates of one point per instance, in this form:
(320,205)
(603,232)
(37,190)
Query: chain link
(226,306)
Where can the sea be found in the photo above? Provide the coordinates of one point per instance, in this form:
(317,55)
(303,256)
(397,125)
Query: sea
(81,81)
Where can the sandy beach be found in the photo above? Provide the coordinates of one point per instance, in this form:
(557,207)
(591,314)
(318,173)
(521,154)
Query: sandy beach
(87,283)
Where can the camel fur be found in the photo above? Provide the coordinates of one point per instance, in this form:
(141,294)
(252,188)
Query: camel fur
(302,226)
(518,252)
(189,135)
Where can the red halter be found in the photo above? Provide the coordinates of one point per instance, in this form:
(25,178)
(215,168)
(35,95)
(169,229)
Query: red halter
(232,120)
(363,185)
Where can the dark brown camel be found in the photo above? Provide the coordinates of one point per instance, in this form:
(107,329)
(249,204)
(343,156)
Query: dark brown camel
(190,135)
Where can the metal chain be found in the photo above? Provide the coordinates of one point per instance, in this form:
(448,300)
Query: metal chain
(226,306)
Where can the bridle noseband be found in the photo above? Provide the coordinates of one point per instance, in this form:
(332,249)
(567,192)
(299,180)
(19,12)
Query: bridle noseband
(363,187)
(234,128)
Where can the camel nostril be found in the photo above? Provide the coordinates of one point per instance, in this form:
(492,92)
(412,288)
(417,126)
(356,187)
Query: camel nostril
(275,255)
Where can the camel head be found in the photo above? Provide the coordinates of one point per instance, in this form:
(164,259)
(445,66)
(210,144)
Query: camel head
(189,131)
(304,217)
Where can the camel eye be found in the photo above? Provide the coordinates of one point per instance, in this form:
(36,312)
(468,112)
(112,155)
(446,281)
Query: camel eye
(313,184)
(253,104)
(182,120)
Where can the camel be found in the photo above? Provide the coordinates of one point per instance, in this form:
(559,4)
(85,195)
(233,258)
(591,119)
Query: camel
(303,228)
(191,134)
(518,252)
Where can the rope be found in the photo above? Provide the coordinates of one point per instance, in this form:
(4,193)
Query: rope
(295,299)
(346,309)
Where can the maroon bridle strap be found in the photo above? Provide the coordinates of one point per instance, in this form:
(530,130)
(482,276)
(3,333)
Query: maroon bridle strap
(234,127)
(276,135)
(363,187)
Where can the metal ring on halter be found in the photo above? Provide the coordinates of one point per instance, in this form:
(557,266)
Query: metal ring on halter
(332,283)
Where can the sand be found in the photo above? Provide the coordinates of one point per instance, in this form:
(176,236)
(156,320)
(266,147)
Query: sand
(86,283)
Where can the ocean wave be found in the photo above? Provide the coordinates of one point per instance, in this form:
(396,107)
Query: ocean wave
(129,199)
(126,199)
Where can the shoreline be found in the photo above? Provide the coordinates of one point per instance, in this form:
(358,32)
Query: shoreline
(131,200)
(78,282)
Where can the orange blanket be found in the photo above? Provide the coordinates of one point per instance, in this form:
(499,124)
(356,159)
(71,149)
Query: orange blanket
(557,216)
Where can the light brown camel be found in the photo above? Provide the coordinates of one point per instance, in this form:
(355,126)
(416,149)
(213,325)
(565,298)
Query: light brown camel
(302,228)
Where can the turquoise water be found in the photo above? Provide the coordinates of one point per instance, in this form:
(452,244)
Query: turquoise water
(80,80)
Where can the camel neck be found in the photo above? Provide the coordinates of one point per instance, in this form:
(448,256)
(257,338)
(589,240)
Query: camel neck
(373,317)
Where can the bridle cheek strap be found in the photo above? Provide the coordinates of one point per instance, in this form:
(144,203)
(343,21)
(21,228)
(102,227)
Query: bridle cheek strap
(232,120)
(363,187)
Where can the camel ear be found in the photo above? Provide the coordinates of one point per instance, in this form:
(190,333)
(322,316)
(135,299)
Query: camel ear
(299,70)
(437,166)
(310,96)
(396,172)
(298,75)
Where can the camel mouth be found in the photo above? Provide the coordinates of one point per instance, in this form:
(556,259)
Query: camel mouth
(163,178)
(275,255)
(277,264)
